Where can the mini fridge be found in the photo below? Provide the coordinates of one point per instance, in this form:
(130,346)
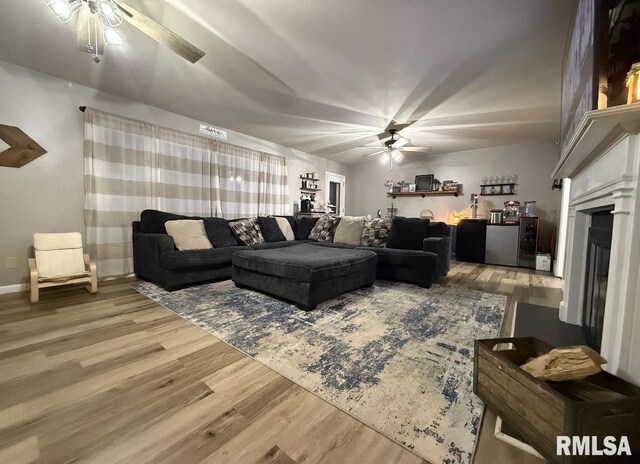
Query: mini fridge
(502,244)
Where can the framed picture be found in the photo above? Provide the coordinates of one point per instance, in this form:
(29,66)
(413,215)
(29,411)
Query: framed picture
(424,183)
(449,186)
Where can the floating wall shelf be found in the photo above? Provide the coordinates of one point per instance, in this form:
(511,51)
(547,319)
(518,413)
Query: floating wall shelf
(422,194)
(498,189)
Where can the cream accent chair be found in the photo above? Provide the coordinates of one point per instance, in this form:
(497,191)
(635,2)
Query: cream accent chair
(59,260)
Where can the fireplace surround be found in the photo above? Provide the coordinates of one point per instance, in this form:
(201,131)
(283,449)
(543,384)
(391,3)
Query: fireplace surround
(603,162)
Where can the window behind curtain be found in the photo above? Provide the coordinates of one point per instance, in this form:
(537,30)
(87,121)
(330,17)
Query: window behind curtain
(133,165)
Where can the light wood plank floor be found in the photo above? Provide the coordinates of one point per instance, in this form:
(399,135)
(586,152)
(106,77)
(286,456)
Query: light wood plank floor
(117,378)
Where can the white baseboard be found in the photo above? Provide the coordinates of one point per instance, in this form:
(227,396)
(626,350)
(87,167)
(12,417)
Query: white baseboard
(513,320)
(14,288)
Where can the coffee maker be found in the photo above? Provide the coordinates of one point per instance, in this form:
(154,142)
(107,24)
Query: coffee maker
(306,206)
(511,211)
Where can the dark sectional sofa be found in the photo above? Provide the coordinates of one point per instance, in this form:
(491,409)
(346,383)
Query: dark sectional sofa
(155,257)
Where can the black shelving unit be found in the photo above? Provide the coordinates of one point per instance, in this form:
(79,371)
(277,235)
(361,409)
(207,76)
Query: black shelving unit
(308,187)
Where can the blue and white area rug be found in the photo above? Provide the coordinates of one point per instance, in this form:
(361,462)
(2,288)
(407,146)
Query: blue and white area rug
(396,356)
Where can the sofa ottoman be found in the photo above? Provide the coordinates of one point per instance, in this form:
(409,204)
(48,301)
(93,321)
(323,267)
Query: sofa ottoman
(304,274)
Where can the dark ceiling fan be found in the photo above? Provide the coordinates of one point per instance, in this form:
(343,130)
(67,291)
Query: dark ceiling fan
(394,147)
(98,22)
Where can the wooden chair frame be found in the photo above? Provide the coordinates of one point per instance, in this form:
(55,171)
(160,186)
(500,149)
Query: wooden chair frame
(91,279)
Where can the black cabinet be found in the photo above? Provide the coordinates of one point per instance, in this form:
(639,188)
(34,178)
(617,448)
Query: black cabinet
(471,238)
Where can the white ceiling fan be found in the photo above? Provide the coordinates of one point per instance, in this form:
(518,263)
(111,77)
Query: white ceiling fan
(394,148)
(99,21)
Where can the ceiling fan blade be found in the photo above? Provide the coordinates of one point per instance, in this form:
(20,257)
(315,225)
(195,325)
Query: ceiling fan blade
(385,136)
(89,34)
(376,153)
(402,141)
(161,34)
(416,149)
(394,125)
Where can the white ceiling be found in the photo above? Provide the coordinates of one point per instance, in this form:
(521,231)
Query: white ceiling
(325,76)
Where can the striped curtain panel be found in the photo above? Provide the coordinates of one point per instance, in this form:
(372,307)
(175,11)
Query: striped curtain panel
(132,165)
(273,186)
(238,181)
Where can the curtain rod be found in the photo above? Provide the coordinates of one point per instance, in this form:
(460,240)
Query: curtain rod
(84,108)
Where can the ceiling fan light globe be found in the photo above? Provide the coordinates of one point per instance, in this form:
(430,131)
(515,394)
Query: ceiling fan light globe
(63,9)
(112,37)
(109,14)
(384,159)
(106,8)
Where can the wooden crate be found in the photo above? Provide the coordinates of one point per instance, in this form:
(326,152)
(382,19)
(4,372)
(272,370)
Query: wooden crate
(600,405)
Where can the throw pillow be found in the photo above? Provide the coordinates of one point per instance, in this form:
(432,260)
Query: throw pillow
(290,219)
(188,234)
(375,232)
(408,233)
(247,231)
(219,232)
(349,230)
(304,226)
(270,229)
(285,227)
(152,221)
(324,229)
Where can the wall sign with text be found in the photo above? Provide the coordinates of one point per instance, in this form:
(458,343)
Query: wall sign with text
(213,132)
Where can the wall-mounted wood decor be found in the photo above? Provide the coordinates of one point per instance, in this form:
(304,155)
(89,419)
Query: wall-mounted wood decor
(22,148)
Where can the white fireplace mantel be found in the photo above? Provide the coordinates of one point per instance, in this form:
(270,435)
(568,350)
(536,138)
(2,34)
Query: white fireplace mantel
(598,130)
(603,162)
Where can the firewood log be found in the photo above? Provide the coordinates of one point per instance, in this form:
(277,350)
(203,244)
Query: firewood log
(569,363)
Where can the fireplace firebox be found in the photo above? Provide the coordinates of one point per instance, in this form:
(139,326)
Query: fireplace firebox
(597,275)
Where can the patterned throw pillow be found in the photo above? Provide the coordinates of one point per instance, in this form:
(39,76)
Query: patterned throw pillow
(247,231)
(324,229)
(375,232)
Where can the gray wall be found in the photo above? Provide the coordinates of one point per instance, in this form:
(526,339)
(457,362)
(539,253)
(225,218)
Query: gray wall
(533,163)
(47,195)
